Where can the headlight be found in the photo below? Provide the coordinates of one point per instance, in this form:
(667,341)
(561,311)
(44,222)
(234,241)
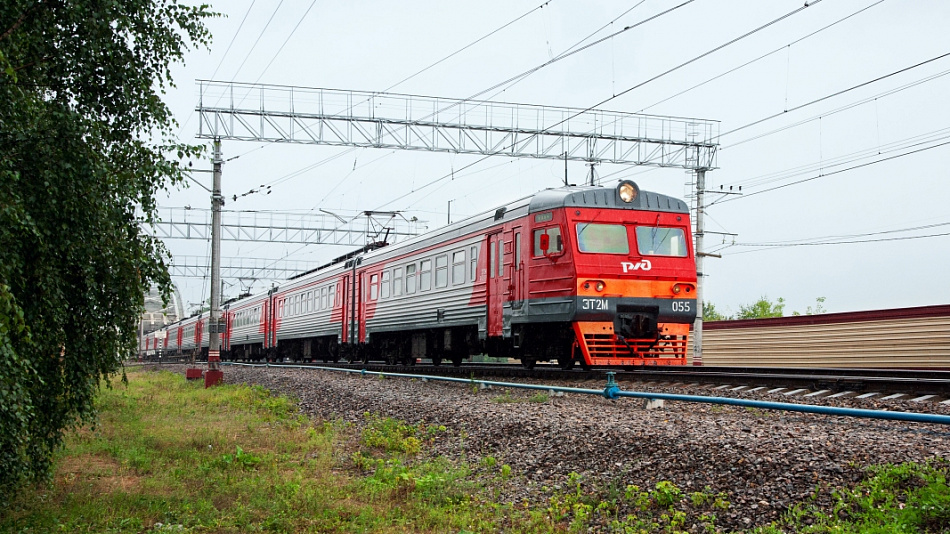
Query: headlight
(628,191)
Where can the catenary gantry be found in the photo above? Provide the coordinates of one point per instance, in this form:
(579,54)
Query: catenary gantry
(275,113)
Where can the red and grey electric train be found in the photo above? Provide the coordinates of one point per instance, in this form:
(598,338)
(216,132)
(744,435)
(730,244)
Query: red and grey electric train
(588,275)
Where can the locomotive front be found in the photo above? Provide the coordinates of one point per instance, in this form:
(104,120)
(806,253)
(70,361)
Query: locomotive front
(632,292)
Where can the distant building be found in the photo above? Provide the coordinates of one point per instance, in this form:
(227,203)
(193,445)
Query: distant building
(157,316)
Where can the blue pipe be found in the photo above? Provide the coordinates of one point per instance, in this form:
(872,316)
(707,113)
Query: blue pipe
(613,391)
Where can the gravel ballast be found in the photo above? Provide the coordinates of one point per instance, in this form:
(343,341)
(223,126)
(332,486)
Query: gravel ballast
(763,460)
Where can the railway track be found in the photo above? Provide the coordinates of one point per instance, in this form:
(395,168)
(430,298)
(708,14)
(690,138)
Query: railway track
(933,386)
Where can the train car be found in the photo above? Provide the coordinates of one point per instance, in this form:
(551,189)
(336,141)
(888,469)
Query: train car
(187,337)
(589,275)
(243,338)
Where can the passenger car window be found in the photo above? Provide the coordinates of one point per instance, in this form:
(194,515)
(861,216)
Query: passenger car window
(442,270)
(425,275)
(474,263)
(661,241)
(410,278)
(458,267)
(384,286)
(602,238)
(397,281)
(555,243)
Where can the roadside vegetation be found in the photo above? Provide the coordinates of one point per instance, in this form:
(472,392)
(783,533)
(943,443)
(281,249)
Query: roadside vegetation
(760,309)
(167,455)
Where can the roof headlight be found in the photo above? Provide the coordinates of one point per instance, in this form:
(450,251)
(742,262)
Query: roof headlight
(628,191)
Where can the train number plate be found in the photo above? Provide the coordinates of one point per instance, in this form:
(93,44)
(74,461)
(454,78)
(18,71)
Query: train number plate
(681,306)
(594,304)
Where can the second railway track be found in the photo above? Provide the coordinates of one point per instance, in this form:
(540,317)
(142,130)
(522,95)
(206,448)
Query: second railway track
(870,383)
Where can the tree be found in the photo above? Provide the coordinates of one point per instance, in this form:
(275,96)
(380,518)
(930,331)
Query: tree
(818,309)
(762,308)
(85,143)
(710,313)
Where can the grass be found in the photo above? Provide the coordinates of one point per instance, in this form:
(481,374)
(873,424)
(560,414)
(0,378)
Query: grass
(171,456)
(908,497)
(507,398)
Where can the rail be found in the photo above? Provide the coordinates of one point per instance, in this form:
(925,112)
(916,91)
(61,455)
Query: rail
(612,391)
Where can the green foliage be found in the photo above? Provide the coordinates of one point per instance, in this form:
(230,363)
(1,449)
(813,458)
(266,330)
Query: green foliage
(393,435)
(507,398)
(239,459)
(710,313)
(762,308)
(154,463)
(80,113)
(908,497)
(819,307)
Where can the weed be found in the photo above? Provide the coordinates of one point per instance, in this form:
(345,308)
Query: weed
(908,497)
(392,435)
(505,398)
(666,493)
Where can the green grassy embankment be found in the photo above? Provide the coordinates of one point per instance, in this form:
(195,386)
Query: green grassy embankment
(171,456)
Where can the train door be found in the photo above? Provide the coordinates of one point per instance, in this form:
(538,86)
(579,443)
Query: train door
(345,300)
(265,322)
(352,330)
(516,270)
(495,285)
(273,317)
(361,302)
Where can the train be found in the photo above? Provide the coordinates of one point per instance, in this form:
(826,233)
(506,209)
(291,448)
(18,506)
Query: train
(577,275)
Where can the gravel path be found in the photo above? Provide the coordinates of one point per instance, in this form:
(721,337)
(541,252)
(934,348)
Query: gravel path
(763,460)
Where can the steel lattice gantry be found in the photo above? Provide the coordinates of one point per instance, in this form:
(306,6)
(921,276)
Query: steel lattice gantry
(179,223)
(240,268)
(257,112)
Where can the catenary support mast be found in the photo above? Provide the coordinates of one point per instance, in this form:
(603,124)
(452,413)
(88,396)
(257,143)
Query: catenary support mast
(214,323)
(700,254)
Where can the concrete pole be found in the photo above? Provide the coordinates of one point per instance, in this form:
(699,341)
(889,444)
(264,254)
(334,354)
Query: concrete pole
(214,342)
(698,234)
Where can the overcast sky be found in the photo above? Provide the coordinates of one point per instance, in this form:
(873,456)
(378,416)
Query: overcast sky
(867,159)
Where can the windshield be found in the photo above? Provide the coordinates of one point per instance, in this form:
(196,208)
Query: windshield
(602,238)
(661,241)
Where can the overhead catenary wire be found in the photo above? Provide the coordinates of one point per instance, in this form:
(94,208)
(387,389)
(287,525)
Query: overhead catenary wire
(466,47)
(291,34)
(516,78)
(690,61)
(569,53)
(846,107)
(221,61)
(641,84)
(763,56)
(832,173)
(253,46)
(407,78)
(833,239)
(917,140)
(526,74)
(837,93)
(765,246)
